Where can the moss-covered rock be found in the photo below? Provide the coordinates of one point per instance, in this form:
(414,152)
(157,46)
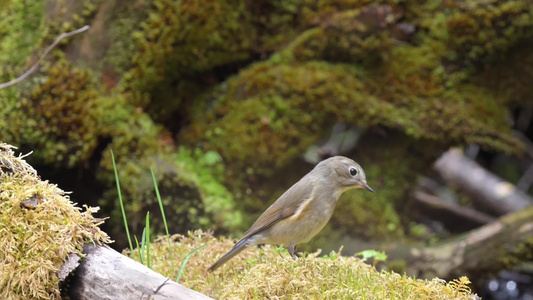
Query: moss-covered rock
(58,115)
(475,33)
(180,39)
(70,122)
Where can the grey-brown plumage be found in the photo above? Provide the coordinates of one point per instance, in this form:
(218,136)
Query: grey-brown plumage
(304,209)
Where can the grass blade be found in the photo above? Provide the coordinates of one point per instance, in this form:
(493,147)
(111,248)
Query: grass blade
(139,250)
(162,212)
(120,200)
(185,260)
(147,245)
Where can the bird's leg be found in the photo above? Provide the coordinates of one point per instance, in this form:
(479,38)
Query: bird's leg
(292,250)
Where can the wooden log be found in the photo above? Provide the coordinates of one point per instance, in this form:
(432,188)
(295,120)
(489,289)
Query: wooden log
(106,274)
(486,189)
(477,254)
(452,215)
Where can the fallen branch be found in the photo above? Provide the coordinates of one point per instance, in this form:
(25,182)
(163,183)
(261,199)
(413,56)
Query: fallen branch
(106,274)
(477,254)
(459,214)
(36,64)
(485,189)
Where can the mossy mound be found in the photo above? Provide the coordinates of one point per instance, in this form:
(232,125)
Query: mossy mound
(188,181)
(63,109)
(180,39)
(40,227)
(264,274)
(76,127)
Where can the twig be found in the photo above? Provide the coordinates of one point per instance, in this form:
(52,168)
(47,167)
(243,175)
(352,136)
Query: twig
(34,67)
(457,210)
(161,285)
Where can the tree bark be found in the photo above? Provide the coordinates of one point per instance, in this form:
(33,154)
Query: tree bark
(107,274)
(486,190)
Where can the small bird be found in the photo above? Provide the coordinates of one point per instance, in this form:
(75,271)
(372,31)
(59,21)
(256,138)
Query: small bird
(304,209)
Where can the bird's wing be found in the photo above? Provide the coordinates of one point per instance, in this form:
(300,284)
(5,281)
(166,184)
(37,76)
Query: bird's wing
(286,206)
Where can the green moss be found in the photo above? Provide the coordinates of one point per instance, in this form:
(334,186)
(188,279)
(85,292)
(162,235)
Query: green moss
(279,22)
(332,63)
(206,171)
(475,33)
(40,229)
(189,182)
(314,93)
(266,273)
(178,39)
(345,37)
(21,26)
(508,78)
(278,110)
(62,109)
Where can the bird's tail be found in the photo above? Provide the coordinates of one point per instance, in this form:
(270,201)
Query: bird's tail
(234,251)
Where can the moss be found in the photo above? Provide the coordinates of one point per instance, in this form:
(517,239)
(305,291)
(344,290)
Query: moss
(28,27)
(260,274)
(70,120)
(64,16)
(189,182)
(347,37)
(406,93)
(508,78)
(473,33)
(181,38)
(519,254)
(21,24)
(40,228)
(333,62)
(277,111)
(206,171)
(62,109)
(53,109)
(118,22)
(315,93)
(279,22)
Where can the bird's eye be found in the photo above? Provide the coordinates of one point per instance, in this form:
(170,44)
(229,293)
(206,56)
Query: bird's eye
(353,171)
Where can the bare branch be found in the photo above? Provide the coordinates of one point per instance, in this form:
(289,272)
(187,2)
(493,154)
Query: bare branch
(462,213)
(36,64)
(485,189)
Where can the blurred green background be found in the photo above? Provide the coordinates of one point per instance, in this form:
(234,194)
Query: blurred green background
(231,102)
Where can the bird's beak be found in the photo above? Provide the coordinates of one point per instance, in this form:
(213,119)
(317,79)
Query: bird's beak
(367,187)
